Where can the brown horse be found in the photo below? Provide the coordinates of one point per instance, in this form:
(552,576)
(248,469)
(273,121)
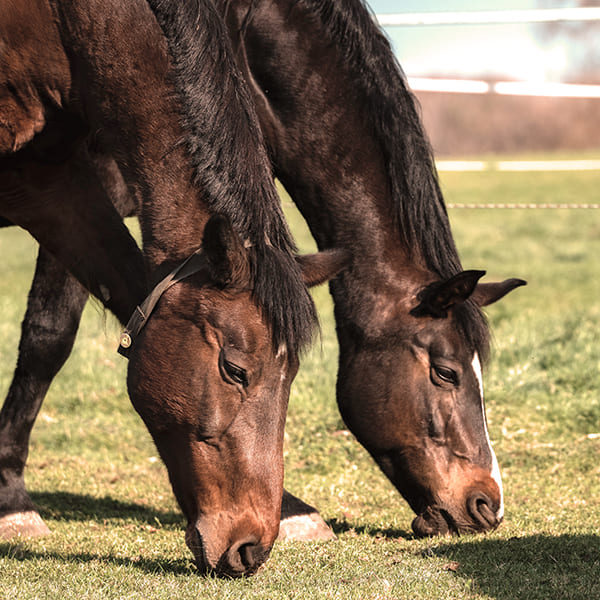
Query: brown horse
(210,371)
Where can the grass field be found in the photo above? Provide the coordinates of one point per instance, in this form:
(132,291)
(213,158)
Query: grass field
(117,532)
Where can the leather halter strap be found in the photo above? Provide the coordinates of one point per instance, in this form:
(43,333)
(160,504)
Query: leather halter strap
(192,264)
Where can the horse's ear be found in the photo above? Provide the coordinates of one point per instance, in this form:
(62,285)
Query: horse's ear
(440,297)
(224,251)
(318,268)
(488,293)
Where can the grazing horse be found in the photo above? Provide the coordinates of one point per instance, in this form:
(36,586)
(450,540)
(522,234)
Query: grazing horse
(345,138)
(346,141)
(212,360)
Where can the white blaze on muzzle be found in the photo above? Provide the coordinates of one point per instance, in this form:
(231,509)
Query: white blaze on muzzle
(495,467)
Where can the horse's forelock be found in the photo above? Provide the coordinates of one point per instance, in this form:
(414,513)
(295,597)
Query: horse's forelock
(473,326)
(280,291)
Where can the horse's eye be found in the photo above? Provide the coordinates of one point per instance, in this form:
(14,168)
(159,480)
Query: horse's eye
(236,373)
(445,374)
(233,372)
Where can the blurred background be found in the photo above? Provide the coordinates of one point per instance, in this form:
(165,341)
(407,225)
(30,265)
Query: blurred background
(509,76)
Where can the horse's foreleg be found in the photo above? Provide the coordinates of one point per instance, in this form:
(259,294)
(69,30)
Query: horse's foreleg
(54,308)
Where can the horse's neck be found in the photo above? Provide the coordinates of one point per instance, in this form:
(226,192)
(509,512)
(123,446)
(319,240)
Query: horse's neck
(214,162)
(324,150)
(131,109)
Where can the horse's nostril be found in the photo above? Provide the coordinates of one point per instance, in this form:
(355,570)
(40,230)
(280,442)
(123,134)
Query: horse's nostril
(481,510)
(242,558)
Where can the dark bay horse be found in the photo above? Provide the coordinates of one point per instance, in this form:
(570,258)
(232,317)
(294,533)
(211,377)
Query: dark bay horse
(346,140)
(210,371)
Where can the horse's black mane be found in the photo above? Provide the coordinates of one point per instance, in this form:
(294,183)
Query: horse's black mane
(420,214)
(230,162)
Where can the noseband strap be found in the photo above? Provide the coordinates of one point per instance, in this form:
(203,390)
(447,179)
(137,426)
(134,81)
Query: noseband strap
(192,264)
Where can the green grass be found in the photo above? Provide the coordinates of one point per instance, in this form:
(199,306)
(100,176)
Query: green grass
(117,532)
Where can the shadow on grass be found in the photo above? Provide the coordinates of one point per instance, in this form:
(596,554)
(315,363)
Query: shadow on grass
(79,508)
(533,567)
(182,566)
(65,506)
(340,526)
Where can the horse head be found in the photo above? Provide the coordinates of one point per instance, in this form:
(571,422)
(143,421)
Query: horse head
(422,418)
(212,387)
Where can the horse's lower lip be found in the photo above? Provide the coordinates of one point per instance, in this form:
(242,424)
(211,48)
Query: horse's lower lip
(434,520)
(195,543)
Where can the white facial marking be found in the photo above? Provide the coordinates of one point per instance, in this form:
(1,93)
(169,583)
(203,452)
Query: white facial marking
(281,352)
(495,467)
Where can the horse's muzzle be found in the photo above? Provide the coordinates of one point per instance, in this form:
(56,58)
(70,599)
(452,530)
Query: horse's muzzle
(241,558)
(479,516)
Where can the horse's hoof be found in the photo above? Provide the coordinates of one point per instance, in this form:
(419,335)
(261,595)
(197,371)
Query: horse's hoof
(300,521)
(305,528)
(25,524)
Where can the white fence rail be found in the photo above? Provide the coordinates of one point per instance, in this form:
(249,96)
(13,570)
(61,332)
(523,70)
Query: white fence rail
(506,88)
(541,15)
